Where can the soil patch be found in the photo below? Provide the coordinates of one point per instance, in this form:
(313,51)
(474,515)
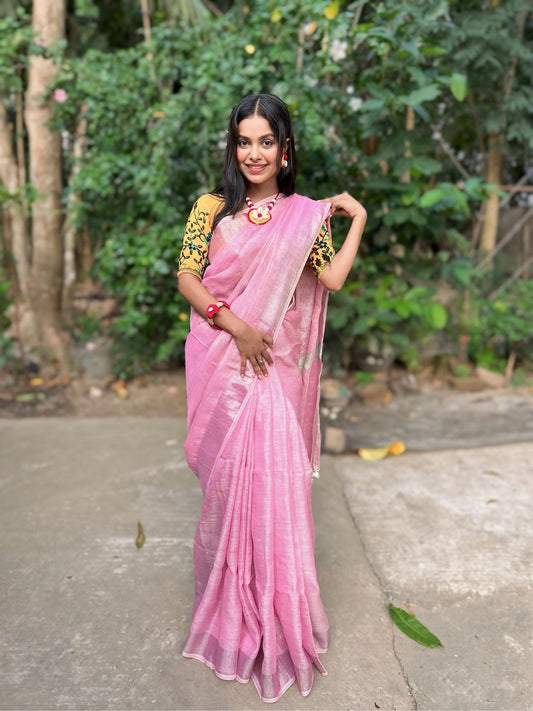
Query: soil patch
(151,395)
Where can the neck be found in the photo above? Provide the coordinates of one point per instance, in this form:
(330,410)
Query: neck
(257,193)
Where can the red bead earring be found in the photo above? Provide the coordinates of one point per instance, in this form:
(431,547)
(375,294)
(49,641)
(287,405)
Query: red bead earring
(284,160)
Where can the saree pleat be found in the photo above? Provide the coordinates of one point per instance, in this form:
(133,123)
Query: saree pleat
(258,613)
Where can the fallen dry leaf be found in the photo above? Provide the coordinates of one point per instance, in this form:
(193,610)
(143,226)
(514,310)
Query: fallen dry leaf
(119,387)
(373,454)
(139,541)
(396,448)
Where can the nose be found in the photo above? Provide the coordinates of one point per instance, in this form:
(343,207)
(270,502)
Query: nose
(255,153)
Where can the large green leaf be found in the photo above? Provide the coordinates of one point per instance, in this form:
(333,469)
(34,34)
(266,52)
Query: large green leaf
(459,86)
(426,165)
(413,628)
(436,314)
(431,197)
(418,96)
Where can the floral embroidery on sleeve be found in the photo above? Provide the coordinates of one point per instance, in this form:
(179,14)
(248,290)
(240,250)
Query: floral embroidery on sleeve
(193,257)
(322,252)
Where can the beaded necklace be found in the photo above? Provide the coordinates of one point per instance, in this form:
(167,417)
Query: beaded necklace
(260,215)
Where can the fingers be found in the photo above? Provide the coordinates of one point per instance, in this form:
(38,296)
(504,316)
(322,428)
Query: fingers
(254,347)
(260,368)
(259,364)
(346,205)
(343,204)
(267,356)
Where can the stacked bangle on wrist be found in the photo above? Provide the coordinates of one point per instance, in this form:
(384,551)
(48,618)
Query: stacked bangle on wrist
(213,309)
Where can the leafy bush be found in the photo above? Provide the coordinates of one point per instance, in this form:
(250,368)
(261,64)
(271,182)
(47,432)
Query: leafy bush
(153,325)
(369,105)
(502,325)
(381,317)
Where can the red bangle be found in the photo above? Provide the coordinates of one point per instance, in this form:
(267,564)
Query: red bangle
(213,309)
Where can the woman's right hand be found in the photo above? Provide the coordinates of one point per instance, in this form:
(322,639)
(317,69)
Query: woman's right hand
(252,345)
(251,342)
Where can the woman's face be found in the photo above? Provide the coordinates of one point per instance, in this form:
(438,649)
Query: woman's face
(257,156)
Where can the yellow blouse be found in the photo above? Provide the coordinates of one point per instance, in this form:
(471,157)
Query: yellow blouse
(193,258)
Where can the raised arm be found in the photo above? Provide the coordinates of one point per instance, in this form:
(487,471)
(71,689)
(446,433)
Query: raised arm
(334,275)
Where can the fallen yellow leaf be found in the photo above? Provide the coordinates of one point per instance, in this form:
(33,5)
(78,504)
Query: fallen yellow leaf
(36,381)
(373,454)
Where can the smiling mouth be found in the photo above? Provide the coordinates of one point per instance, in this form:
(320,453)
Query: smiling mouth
(256,168)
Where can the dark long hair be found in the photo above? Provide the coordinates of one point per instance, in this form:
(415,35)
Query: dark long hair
(233,185)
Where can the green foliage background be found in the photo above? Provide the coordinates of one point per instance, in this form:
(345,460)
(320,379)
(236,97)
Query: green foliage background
(350,73)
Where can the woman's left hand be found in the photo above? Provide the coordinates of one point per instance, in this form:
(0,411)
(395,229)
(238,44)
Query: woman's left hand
(346,205)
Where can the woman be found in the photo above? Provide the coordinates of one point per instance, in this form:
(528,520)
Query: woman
(256,267)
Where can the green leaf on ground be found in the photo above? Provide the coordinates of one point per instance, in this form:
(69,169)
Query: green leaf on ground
(413,628)
(30,397)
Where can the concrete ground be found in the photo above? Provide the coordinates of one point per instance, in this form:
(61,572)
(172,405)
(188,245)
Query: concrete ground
(91,622)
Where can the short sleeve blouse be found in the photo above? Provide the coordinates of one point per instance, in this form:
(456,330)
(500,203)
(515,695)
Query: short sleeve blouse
(198,231)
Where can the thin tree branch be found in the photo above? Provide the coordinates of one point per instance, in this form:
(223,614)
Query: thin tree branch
(508,237)
(355,21)
(449,152)
(514,276)
(217,12)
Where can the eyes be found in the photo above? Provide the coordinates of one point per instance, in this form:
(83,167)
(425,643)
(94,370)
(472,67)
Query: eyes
(265,142)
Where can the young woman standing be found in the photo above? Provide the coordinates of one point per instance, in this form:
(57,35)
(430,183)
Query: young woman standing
(256,266)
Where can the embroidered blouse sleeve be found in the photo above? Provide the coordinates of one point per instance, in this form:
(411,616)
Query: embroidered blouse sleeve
(322,252)
(193,256)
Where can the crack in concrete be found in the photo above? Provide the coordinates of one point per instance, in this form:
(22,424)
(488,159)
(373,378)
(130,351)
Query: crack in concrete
(386,593)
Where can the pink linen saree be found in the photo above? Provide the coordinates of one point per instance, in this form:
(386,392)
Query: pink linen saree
(254,445)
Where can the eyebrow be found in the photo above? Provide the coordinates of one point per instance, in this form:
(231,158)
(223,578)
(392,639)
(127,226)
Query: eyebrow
(267,135)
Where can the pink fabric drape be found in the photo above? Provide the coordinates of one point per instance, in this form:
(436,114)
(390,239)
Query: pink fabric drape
(254,445)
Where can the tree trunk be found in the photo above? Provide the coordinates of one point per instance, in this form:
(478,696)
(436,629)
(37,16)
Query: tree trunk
(493,175)
(69,263)
(48,17)
(9,175)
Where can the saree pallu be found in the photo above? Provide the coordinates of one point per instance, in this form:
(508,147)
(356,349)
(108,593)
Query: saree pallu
(254,444)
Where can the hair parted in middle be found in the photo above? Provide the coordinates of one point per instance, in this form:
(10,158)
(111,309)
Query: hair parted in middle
(232,187)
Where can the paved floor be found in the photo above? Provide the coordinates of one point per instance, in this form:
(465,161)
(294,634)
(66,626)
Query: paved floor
(90,622)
